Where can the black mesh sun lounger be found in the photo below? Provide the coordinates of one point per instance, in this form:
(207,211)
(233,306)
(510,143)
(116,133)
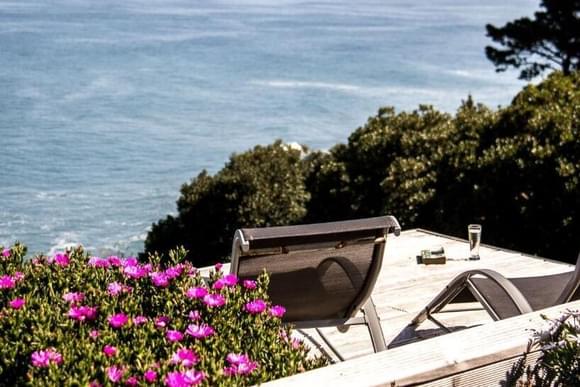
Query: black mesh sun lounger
(503,297)
(323,274)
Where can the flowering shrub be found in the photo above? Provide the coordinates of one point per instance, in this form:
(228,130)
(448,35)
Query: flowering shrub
(75,319)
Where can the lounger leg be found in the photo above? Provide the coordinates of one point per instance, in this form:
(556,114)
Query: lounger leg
(374,325)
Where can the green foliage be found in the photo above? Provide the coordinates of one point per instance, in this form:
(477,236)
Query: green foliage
(559,361)
(261,187)
(549,41)
(44,321)
(515,170)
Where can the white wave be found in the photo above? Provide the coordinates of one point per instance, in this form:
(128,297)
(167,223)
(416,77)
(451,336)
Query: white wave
(104,85)
(63,243)
(290,84)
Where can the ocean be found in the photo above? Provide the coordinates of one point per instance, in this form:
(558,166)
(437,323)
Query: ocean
(108,107)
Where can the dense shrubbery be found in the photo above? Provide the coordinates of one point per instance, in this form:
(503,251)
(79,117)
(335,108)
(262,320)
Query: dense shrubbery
(71,319)
(515,170)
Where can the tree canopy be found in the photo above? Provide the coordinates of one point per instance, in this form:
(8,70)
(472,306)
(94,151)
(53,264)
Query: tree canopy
(550,41)
(516,170)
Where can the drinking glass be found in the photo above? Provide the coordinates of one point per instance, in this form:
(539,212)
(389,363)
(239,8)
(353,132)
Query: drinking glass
(474,232)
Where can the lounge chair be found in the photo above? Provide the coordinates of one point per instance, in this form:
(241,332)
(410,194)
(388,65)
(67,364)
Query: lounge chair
(323,274)
(505,297)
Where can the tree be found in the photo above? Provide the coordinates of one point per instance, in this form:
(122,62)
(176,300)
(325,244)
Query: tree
(261,187)
(551,41)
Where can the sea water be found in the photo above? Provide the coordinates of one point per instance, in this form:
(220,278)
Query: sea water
(107,106)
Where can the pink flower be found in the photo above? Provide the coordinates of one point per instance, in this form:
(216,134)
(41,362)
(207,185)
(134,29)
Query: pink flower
(138,320)
(159,279)
(7,282)
(6,253)
(114,260)
(94,334)
(61,259)
(240,364)
(174,271)
(218,266)
(116,288)
(174,336)
(198,292)
(184,379)
(185,357)
(45,358)
(18,276)
(136,271)
(162,321)
(150,376)
(130,261)
(229,280)
(109,350)
(118,320)
(17,303)
(277,311)
(132,381)
(95,383)
(214,300)
(82,313)
(73,297)
(194,315)
(249,284)
(255,306)
(199,331)
(115,373)
(99,262)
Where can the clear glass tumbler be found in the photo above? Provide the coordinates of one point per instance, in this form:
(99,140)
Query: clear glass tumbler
(474,232)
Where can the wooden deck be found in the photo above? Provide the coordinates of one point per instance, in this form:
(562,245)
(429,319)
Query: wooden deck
(404,287)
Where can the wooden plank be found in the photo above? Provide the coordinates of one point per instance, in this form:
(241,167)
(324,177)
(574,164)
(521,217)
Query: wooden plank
(439,358)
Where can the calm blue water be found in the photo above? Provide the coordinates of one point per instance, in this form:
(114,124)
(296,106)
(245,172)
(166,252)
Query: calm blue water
(107,107)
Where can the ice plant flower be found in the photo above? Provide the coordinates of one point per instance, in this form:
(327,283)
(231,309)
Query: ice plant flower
(214,300)
(197,292)
(255,306)
(130,261)
(114,260)
(200,331)
(138,320)
(114,288)
(82,313)
(229,280)
(174,336)
(6,253)
(277,311)
(136,271)
(7,282)
(150,376)
(249,284)
(109,350)
(218,266)
(185,357)
(118,320)
(73,297)
(115,373)
(17,303)
(159,279)
(44,358)
(174,271)
(194,315)
(162,321)
(99,262)
(240,364)
(184,379)
(18,276)
(132,381)
(94,334)
(61,259)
